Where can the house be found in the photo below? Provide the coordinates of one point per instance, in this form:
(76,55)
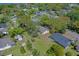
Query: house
(35,19)
(6,43)
(3,28)
(71,35)
(60,39)
(40,13)
(64,11)
(43,30)
(19,37)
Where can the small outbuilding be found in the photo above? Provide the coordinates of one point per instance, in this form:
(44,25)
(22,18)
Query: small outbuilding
(18,37)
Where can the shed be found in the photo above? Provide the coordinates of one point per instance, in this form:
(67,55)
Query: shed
(19,37)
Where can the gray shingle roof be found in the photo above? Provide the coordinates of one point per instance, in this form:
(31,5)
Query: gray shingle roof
(3,27)
(5,41)
(60,39)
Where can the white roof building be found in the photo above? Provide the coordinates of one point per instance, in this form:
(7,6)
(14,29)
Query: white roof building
(43,30)
(19,37)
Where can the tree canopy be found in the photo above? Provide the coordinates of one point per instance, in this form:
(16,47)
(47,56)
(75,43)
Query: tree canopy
(55,50)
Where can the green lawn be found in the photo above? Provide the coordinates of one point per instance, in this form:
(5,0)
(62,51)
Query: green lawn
(71,50)
(42,45)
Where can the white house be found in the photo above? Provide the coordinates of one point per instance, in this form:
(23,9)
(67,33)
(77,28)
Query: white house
(43,30)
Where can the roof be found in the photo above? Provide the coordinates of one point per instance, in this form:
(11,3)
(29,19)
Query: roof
(43,29)
(77,48)
(3,27)
(60,39)
(71,35)
(5,41)
(18,37)
(40,13)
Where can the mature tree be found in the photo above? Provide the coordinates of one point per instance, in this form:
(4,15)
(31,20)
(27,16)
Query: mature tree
(26,23)
(55,6)
(31,11)
(15,31)
(1,35)
(47,6)
(75,26)
(3,19)
(41,7)
(22,50)
(70,53)
(61,24)
(74,14)
(58,25)
(55,50)
(35,52)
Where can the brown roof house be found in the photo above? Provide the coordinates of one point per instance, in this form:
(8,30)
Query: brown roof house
(71,35)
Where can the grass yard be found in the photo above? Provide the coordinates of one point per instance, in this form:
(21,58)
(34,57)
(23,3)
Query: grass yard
(42,45)
(15,50)
(74,53)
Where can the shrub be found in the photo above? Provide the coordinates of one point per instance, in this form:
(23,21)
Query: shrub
(22,50)
(29,45)
(55,50)
(1,35)
(35,52)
